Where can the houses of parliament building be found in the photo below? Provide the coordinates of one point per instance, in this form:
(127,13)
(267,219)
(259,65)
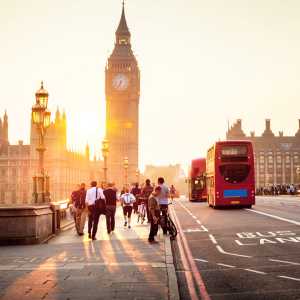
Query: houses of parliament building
(18,164)
(277,157)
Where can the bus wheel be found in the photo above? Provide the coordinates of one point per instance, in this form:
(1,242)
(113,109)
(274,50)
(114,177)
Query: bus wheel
(248,206)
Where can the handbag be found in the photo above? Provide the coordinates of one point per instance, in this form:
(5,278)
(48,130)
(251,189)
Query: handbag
(100,203)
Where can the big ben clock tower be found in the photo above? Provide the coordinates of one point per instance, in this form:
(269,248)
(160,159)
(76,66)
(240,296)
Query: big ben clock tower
(122,89)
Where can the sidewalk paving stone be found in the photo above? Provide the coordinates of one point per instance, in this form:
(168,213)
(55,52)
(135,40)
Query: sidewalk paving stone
(70,267)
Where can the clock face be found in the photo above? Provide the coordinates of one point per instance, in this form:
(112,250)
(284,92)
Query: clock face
(120,82)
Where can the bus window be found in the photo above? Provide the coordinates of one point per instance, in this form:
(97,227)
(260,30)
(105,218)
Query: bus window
(234,173)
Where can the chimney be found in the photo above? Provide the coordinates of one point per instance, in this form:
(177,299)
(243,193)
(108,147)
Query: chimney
(20,142)
(281,133)
(252,133)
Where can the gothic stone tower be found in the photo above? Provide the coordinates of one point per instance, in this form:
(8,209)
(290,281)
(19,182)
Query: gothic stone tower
(122,89)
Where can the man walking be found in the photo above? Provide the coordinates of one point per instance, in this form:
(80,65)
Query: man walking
(154,213)
(111,202)
(95,201)
(136,191)
(78,199)
(163,202)
(145,194)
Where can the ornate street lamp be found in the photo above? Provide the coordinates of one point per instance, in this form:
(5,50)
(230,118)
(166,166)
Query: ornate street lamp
(41,119)
(105,151)
(126,164)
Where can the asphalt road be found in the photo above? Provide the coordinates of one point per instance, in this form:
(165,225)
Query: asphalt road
(242,253)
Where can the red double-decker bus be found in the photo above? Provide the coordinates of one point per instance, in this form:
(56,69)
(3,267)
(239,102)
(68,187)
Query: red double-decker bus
(196,181)
(230,174)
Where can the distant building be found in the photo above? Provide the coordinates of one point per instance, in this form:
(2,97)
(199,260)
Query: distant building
(277,158)
(18,164)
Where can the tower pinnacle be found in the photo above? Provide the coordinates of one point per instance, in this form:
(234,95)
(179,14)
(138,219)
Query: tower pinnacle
(123,33)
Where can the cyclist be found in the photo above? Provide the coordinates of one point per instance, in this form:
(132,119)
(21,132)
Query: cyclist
(163,198)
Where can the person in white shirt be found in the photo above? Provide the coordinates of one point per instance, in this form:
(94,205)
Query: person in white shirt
(94,209)
(127,200)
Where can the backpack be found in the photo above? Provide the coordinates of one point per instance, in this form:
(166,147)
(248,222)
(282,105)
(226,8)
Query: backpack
(127,199)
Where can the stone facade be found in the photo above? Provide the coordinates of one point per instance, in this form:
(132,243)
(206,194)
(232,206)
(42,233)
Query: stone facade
(277,157)
(18,164)
(122,88)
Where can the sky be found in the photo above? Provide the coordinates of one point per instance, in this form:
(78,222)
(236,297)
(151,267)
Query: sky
(203,63)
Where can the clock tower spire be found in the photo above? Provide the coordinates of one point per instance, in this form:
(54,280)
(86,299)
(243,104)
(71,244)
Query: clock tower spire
(122,90)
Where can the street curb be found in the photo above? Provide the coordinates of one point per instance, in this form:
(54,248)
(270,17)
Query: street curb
(172,278)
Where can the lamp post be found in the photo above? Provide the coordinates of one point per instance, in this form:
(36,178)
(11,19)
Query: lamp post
(41,118)
(126,163)
(105,150)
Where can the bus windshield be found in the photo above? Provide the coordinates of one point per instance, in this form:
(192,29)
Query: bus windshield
(234,173)
(199,183)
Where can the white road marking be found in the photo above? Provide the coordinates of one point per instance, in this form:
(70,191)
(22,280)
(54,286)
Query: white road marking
(273,216)
(224,265)
(255,271)
(198,222)
(202,260)
(285,262)
(204,228)
(194,217)
(291,278)
(229,253)
(212,238)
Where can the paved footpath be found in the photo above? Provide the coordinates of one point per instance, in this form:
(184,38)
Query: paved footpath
(118,266)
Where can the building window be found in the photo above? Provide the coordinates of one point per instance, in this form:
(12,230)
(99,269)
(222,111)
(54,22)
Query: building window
(262,159)
(287,159)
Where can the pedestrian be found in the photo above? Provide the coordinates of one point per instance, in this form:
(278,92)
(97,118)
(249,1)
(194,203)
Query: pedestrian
(95,200)
(127,200)
(145,194)
(74,195)
(111,203)
(163,202)
(136,191)
(154,213)
(172,192)
(79,208)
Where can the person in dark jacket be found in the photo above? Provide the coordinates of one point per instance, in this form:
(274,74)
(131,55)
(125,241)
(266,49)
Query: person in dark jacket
(111,203)
(78,199)
(154,214)
(145,194)
(136,191)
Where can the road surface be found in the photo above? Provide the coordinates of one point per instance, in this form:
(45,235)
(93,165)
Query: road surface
(240,253)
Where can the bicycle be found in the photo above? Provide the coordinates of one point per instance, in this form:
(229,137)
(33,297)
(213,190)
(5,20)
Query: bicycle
(170,225)
(141,212)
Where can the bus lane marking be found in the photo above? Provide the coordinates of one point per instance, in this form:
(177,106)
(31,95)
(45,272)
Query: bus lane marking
(285,262)
(255,271)
(291,278)
(270,237)
(200,259)
(225,265)
(220,249)
(212,238)
(273,216)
